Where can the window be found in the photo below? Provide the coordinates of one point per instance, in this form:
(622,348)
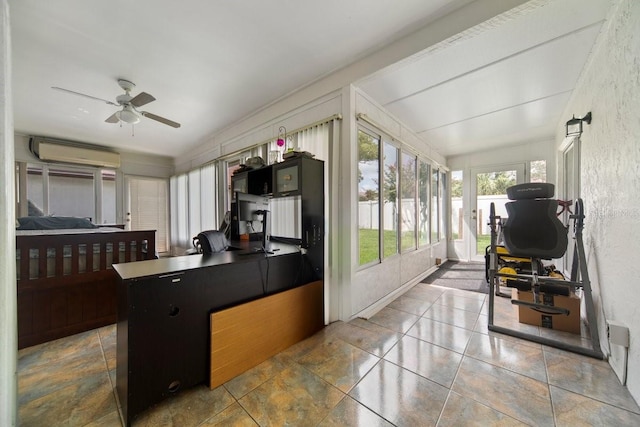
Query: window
(457,216)
(423,199)
(390,214)
(408,201)
(368,198)
(435,207)
(442,196)
(538,170)
(179,212)
(108,178)
(69,191)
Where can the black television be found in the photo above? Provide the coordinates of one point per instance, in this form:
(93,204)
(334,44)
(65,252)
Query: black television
(249,216)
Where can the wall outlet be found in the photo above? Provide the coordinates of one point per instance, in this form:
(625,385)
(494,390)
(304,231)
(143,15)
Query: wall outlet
(618,335)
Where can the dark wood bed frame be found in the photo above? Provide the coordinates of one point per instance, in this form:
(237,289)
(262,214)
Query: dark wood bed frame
(65,304)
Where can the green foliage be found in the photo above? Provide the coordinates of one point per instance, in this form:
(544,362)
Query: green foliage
(493,183)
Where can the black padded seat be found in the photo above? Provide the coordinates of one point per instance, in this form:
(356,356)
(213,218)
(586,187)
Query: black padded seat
(532,228)
(212,241)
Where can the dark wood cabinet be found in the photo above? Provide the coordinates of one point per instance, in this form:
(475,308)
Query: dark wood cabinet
(164,309)
(302,180)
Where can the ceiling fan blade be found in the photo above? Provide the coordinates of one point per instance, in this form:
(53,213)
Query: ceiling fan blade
(160,119)
(84,95)
(112,119)
(141,99)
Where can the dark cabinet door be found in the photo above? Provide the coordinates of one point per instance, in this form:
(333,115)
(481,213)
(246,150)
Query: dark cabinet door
(167,338)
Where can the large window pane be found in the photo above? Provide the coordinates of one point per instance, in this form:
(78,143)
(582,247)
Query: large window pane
(390,213)
(71,193)
(369,198)
(424,186)
(435,196)
(538,171)
(35,190)
(108,196)
(457,217)
(442,196)
(408,202)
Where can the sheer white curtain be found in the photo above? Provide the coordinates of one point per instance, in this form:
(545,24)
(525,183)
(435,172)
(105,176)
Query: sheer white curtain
(179,212)
(315,140)
(193,204)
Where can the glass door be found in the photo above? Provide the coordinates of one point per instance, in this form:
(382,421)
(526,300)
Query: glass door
(489,186)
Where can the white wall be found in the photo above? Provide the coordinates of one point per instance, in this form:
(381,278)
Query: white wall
(610,173)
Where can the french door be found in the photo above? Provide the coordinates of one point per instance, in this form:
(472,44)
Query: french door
(489,185)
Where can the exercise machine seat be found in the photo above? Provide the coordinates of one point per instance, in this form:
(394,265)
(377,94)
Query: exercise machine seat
(532,228)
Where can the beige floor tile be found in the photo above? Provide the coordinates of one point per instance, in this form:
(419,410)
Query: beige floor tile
(410,305)
(424,292)
(442,334)
(572,409)
(234,416)
(254,377)
(425,359)
(400,396)
(461,302)
(351,413)
(77,403)
(453,316)
(590,377)
(367,336)
(462,411)
(395,320)
(509,354)
(294,397)
(339,363)
(520,397)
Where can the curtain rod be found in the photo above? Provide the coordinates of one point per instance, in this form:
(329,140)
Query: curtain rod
(333,117)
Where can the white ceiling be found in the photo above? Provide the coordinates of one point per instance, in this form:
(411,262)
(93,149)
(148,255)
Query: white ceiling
(209,63)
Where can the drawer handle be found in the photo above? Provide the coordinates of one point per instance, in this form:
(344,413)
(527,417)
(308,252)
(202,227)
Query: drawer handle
(173,311)
(174,386)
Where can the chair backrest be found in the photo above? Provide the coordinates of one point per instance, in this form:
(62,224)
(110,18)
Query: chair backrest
(211,241)
(532,228)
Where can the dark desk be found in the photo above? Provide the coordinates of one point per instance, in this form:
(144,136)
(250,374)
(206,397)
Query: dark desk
(164,309)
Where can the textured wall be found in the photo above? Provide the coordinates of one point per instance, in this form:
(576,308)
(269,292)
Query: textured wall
(610,172)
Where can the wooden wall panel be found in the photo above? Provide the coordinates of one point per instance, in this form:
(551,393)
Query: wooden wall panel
(246,335)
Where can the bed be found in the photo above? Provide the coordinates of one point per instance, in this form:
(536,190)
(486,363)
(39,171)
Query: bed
(65,281)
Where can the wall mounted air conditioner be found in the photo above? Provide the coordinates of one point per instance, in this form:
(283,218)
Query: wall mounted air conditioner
(66,152)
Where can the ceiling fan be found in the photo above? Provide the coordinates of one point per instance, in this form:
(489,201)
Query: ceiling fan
(129,113)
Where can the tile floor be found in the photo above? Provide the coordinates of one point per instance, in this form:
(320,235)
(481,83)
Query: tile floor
(425,359)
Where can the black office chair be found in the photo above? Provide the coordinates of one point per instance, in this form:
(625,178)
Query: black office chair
(533,231)
(210,241)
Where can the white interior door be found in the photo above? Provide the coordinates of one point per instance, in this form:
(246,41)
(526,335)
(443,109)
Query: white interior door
(489,186)
(147,208)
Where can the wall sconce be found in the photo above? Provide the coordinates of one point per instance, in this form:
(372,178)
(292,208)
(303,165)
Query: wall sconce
(574,126)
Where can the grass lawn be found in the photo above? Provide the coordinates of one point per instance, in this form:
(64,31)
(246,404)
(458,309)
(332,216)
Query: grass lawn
(369,244)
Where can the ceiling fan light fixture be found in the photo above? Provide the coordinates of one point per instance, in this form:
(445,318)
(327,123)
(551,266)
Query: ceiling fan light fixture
(128,115)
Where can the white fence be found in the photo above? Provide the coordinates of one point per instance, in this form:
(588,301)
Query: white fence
(368,213)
